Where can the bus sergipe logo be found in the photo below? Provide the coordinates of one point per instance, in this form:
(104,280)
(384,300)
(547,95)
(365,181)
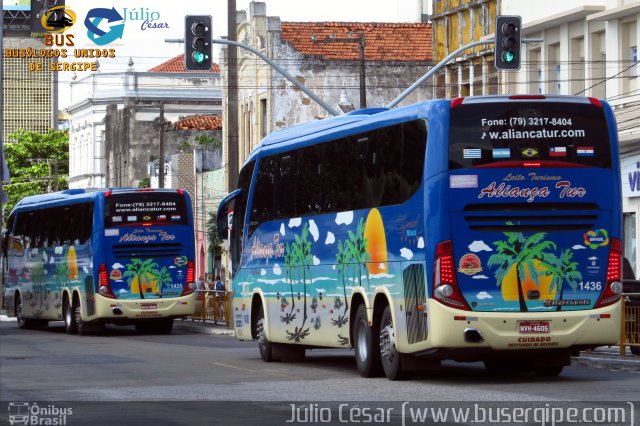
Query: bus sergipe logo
(58,19)
(595,239)
(93,20)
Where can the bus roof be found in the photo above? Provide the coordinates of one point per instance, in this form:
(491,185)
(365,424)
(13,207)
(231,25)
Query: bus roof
(335,127)
(76,195)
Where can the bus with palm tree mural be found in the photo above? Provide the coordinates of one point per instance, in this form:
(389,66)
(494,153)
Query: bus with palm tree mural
(473,229)
(91,257)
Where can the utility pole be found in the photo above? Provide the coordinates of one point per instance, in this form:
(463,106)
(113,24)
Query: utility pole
(361,44)
(161,159)
(233,166)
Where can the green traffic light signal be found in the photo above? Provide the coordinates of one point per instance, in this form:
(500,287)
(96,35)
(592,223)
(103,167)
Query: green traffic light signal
(198,57)
(508,57)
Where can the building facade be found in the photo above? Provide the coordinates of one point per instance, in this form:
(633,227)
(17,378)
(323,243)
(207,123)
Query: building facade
(113,149)
(28,95)
(457,23)
(591,50)
(325,57)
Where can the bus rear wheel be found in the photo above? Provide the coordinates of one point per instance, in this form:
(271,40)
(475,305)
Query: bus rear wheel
(366,345)
(264,345)
(70,325)
(81,326)
(23,322)
(389,355)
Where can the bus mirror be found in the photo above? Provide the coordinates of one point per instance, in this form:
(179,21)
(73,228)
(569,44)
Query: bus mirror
(225,214)
(222,224)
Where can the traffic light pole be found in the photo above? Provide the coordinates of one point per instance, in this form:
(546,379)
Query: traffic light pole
(444,62)
(277,67)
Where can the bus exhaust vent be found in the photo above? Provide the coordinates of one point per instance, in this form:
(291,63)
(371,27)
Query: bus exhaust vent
(523,217)
(147,250)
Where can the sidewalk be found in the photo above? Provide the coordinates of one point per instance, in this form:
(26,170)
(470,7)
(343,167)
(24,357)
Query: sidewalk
(203,327)
(609,358)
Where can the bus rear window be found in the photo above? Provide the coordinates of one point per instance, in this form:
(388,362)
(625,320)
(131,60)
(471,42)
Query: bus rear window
(145,207)
(510,134)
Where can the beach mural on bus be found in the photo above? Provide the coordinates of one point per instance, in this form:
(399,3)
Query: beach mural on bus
(308,267)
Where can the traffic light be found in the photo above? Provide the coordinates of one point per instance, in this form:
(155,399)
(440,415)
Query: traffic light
(197,42)
(507,43)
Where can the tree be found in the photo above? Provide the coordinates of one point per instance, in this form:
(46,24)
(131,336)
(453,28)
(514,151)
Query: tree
(32,159)
(215,242)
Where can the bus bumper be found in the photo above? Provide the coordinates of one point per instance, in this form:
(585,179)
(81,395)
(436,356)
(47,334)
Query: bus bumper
(450,328)
(117,309)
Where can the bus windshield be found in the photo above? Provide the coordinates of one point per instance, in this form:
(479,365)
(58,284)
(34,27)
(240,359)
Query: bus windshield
(134,208)
(504,134)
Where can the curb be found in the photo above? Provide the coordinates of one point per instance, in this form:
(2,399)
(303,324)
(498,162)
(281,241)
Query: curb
(608,361)
(203,328)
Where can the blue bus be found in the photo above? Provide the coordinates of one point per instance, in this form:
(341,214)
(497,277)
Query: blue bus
(473,229)
(90,257)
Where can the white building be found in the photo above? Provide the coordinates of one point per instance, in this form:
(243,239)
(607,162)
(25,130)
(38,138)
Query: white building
(591,50)
(182,93)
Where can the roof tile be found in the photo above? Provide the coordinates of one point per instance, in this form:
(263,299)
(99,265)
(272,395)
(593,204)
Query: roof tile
(383,41)
(177,65)
(200,122)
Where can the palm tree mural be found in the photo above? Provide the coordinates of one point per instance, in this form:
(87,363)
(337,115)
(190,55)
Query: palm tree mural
(564,271)
(520,251)
(141,272)
(357,248)
(343,257)
(289,263)
(163,277)
(302,260)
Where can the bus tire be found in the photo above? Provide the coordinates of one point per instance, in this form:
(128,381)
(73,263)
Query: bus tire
(366,345)
(264,345)
(164,326)
(81,327)
(390,358)
(23,323)
(548,370)
(70,325)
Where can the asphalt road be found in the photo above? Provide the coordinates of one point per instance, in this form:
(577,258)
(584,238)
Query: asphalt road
(50,366)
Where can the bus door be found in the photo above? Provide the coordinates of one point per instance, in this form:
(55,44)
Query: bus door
(534,202)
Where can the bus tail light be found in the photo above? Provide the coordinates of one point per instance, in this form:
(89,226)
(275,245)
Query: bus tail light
(445,284)
(104,289)
(190,287)
(613,287)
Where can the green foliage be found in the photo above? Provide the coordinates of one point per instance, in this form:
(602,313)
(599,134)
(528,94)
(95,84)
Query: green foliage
(31,160)
(145,183)
(215,242)
(184,146)
(205,141)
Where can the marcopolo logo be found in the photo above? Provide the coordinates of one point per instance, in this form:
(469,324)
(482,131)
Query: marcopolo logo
(595,239)
(58,19)
(25,413)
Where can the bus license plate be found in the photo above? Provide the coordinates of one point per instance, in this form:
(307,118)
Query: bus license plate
(533,327)
(148,306)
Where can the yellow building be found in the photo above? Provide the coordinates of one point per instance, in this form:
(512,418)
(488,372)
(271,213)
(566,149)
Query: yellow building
(457,23)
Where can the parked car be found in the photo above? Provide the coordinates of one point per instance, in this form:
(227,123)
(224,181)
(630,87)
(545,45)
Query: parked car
(631,285)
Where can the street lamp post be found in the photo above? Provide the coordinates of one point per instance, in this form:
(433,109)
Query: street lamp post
(361,44)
